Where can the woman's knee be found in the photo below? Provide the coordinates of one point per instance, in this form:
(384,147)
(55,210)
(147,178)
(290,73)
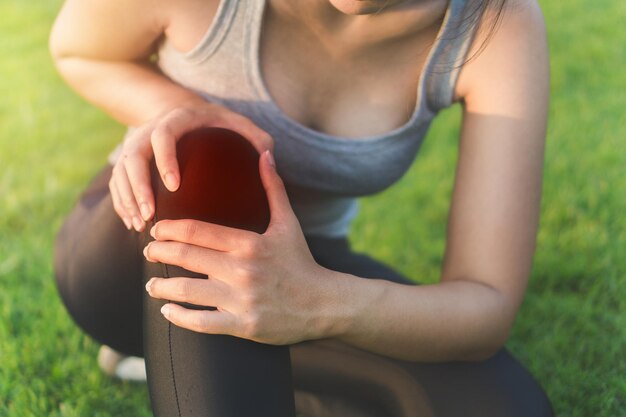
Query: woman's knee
(220,182)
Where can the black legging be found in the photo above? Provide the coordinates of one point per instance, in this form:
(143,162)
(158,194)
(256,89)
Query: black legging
(100,275)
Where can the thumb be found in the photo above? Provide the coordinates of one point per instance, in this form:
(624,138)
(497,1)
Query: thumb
(280,208)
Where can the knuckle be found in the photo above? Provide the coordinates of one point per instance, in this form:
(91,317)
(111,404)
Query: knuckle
(247,274)
(181,251)
(251,325)
(254,247)
(190,230)
(128,203)
(161,132)
(142,193)
(180,113)
(132,159)
(247,247)
(140,133)
(184,111)
(201,322)
(141,190)
(116,169)
(183,289)
(251,300)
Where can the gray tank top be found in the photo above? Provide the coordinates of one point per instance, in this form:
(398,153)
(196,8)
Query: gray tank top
(323,174)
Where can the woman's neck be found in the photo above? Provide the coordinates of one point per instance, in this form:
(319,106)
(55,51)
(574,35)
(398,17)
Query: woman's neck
(372,24)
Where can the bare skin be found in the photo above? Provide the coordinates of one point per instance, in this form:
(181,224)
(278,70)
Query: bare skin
(267,287)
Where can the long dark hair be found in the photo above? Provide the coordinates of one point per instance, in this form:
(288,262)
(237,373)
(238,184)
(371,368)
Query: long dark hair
(487,14)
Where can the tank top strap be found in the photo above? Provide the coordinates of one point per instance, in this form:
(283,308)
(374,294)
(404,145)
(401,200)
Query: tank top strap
(226,17)
(450,51)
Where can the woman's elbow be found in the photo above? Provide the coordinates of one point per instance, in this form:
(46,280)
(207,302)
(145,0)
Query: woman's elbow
(482,353)
(492,336)
(488,344)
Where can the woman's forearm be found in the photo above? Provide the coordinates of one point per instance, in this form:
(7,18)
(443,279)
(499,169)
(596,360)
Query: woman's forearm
(103,49)
(453,320)
(130,92)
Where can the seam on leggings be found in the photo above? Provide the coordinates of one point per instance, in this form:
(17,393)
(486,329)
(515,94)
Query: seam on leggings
(169,340)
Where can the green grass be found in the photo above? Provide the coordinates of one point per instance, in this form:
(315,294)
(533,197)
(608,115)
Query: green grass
(571,329)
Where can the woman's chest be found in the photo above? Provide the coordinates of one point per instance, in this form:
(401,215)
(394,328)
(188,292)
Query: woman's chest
(331,85)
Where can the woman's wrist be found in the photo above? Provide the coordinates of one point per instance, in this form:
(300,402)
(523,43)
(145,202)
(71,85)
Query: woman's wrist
(456,320)
(346,304)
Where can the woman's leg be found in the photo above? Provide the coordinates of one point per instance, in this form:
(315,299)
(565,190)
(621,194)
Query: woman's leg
(197,374)
(98,265)
(334,379)
(98,270)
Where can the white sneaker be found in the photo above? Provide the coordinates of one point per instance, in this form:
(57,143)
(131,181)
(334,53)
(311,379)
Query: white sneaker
(116,364)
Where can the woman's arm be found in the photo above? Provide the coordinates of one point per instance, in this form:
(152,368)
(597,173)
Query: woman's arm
(493,218)
(268,288)
(102,48)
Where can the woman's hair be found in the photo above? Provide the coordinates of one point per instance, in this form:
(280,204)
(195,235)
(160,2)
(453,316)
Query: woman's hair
(487,14)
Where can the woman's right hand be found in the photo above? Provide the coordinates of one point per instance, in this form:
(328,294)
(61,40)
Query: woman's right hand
(130,184)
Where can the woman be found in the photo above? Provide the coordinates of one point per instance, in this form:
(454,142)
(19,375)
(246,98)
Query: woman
(342,92)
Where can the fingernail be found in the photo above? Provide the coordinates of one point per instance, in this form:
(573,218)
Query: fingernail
(127,223)
(137,223)
(270,158)
(149,285)
(165,310)
(153,231)
(170,181)
(145,251)
(145,211)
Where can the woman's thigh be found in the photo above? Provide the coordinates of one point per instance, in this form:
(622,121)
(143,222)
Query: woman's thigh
(98,267)
(334,379)
(98,270)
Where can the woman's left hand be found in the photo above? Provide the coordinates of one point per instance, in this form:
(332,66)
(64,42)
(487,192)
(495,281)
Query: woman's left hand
(266,287)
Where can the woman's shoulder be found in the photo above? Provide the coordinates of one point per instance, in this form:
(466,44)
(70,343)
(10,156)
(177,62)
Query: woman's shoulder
(123,29)
(509,33)
(188,20)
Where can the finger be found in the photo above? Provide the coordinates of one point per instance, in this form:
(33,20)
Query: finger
(202,292)
(127,198)
(164,147)
(138,171)
(192,258)
(207,235)
(164,137)
(280,208)
(203,321)
(180,121)
(117,205)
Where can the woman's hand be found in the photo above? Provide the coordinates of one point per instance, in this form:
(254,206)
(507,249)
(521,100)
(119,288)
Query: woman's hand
(266,287)
(130,187)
